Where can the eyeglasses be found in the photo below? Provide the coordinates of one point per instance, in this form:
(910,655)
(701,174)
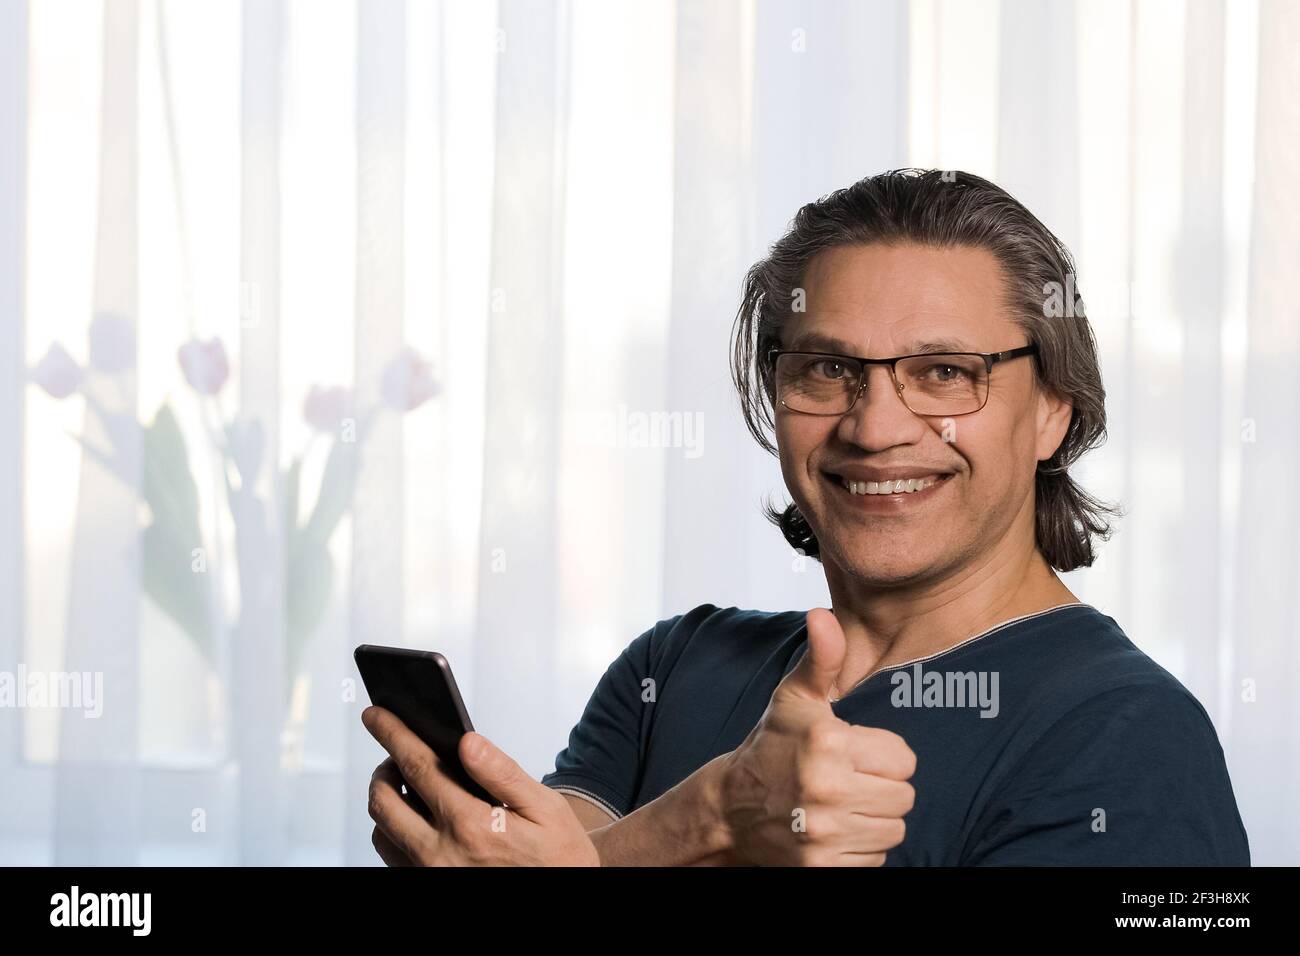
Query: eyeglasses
(930,383)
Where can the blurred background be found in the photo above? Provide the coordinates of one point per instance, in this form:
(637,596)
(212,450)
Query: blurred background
(328,322)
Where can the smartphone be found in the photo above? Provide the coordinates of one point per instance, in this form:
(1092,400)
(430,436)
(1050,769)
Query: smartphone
(418,687)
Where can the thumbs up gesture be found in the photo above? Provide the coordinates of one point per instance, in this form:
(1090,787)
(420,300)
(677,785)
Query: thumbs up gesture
(808,789)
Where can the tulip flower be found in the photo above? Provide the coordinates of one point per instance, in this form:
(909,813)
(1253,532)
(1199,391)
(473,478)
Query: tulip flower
(58,372)
(325,408)
(204,365)
(408,381)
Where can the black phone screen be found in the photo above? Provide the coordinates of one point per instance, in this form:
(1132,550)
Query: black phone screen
(418,687)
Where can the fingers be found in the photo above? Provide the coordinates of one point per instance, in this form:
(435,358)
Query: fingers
(874,750)
(814,675)
(879,797)
(417,764)
(494,770)
(388,851)
(410,796)
(830,784)
(406,829)
(847,838)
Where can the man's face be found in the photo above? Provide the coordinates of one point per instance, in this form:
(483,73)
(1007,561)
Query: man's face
(881,301)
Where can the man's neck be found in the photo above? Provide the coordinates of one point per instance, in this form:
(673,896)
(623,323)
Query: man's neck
(884,627)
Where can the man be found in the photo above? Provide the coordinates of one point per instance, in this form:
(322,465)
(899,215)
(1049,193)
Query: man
(906,343)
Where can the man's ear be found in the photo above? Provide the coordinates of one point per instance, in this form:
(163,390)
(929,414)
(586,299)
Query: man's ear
(1054,412)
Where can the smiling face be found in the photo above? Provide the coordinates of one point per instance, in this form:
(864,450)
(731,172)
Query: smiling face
(975,472)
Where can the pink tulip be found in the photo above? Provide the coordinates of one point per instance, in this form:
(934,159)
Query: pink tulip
(204,365)
(58,372)
(325,408)
(408,381)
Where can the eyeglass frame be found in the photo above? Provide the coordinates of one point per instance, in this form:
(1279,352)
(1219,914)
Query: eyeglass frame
(990,359)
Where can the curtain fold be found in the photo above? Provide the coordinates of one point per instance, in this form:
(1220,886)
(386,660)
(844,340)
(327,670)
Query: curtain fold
(711,225)
(1038,109)
(257,687)
(1199,280)
(98,778)
(13,347)
(517,604)
(376,613)
(1264,747)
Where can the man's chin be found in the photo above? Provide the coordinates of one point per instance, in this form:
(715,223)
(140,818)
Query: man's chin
(883,571)
(889,579)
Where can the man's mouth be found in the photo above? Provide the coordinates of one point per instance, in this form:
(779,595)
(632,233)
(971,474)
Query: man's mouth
(903,485)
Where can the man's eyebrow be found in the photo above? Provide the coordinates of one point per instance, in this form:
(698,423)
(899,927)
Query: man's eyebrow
(816,342)
(936,345)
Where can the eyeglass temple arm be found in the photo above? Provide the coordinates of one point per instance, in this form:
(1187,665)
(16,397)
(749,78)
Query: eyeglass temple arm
(995,357)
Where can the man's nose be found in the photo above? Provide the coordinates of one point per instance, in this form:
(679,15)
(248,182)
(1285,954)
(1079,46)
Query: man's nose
(880,419)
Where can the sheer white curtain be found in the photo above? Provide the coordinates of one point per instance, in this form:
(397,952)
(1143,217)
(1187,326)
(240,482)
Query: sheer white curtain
(542,213)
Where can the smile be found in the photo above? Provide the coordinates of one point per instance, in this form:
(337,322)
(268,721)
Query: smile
(905,486)
(899,495)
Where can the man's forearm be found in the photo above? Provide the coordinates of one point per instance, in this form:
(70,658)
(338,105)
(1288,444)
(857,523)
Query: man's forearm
(684,827)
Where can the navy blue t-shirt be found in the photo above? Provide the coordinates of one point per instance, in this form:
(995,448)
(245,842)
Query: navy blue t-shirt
(1046,740)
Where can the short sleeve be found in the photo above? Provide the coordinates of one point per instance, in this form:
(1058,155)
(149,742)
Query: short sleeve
(1135,776)
(602,761)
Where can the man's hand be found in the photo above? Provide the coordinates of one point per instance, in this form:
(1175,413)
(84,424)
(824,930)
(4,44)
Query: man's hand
(809,789)
(537,827)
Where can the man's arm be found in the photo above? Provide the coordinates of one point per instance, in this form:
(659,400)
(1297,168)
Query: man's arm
(683,827)
(589,815)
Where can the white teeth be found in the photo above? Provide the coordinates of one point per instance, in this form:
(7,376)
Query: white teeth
(900,486)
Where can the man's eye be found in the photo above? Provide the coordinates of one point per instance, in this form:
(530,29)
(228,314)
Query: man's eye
(946,373)
(826,368)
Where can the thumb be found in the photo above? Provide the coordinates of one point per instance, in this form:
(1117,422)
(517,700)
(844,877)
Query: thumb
(816,671)
(497,773)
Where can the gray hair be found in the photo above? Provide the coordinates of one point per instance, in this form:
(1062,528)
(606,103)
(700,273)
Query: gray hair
(943,209)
